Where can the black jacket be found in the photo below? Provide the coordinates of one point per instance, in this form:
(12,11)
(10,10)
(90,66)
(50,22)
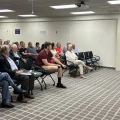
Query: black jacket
(5,66)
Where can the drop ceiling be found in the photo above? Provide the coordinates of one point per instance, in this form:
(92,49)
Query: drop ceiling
(42,7)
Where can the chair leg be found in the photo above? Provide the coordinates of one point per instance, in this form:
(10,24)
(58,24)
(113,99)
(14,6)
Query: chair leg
(40,84)
(44,83)
(52,80)
(11,98)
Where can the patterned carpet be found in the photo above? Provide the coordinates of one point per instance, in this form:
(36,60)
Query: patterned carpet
(94,98)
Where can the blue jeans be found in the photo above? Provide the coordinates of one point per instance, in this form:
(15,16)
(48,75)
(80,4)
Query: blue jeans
(5,77)
(5,91)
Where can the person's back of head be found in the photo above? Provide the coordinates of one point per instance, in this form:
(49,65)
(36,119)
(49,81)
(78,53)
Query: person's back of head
(42,46)
(47,45)
(4,50)
(53,45)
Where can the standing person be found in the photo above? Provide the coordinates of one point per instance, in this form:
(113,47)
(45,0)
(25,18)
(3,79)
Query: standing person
(44,60)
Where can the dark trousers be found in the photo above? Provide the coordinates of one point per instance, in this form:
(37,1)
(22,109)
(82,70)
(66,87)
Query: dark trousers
(27,82)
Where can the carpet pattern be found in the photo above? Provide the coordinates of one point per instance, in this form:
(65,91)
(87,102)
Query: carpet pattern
(94,98)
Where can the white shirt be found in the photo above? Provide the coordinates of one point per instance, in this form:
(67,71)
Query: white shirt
(54,52)
(12,64)
(70,56)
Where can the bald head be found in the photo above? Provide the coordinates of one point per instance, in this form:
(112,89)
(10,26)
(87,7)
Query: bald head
(73,45)
(14,48)
(68,43)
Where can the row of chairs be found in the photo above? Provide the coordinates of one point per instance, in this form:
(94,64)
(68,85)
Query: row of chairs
(88,58)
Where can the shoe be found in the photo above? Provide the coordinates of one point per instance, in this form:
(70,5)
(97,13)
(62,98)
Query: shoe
(83,77)
(7,105)
(89,68)
(21,99)
(19,92)
(60,86)
(29,96)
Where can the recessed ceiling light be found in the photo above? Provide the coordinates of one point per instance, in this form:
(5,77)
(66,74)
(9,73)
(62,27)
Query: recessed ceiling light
(3,17)
(64,6)
(29,15)
(81,13)
(114,2)
(6,10)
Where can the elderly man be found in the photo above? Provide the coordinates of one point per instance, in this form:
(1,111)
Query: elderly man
(9,66)
(65,48)
(16,57)
(75,50)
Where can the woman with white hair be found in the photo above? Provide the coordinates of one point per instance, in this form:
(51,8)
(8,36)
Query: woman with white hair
(71,56)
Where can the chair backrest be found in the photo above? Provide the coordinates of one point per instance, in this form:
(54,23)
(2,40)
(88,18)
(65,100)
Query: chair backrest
(90,54)
(86,55)
(28,65)
(81,56)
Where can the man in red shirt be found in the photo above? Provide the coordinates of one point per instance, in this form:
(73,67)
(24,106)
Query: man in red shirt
(44,61)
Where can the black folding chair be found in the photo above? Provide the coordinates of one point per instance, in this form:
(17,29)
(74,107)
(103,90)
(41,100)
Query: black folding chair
(94,58)
(45,73)
(29,65)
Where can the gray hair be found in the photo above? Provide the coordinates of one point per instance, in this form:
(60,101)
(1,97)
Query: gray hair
(69,46)
(3,48)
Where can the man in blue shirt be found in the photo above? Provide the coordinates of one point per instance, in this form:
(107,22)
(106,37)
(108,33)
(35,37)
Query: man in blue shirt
(75,50)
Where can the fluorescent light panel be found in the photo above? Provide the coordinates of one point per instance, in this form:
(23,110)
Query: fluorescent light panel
(30,15)
(114,2)
(64,6)
(81,13)
(6,10)
(3,17)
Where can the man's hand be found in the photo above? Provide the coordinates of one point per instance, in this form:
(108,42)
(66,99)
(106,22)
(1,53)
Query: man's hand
(64,66)
(24,60)
(19,72)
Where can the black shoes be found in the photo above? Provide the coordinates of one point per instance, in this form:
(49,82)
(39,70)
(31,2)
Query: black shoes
(61,86)
(19,92)
(7,105)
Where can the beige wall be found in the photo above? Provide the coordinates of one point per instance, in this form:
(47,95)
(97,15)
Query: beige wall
(19,23)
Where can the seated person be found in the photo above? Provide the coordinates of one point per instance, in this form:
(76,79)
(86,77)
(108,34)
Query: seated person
(37,46)
(75,50)
(7,81)
(9,66)
(65,48)
(32,50)
(59,49)
(16,57)
(71,56)
(44,61)
(5,95)
(23,51)
(55,54)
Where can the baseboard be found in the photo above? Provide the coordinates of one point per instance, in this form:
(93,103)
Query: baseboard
(107,67)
